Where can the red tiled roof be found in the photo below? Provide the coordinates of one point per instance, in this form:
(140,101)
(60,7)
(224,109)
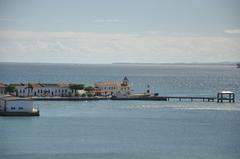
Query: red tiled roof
(2,85)
(109,83)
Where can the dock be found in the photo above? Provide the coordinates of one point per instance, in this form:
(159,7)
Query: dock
(168,98)
(191,98)
(221,97)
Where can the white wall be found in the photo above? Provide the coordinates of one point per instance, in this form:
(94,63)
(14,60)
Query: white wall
(44,91)
(2,105)
(19,105)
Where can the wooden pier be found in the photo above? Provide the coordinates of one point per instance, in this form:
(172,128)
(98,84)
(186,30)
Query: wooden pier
(168,98)
(191,98)
(221,97)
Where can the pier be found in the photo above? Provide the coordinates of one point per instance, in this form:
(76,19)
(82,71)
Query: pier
(219,98)
(168,98)
(191,98)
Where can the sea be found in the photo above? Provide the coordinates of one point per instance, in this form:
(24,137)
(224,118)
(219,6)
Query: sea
(126,129)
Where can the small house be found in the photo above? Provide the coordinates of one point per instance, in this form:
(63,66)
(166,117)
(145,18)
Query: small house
(13,106)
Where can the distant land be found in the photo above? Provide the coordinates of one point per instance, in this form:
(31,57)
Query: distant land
(194,63)
(126,63)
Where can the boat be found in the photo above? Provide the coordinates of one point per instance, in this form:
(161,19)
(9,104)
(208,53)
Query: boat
(16,106)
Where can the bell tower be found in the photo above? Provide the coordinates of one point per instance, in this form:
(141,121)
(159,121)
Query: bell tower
(125,81)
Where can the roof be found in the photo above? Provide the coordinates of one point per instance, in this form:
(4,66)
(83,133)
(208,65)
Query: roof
(109,83)
(227,92)
(2,85)
(35,85)
(43,85)
(49,85)
(63,85)
(125,78)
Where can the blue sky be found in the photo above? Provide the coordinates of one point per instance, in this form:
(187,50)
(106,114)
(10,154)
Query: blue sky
(101,31)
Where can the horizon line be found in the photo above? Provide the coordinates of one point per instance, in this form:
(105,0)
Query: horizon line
(128,63)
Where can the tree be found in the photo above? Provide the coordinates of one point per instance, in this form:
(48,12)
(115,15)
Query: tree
(11,88)
(89,89)
(84,95)
(76,86)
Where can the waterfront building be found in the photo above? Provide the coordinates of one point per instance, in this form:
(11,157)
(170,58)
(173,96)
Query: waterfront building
(226,96)
(43,89)
(13,106)
(113,87)
(2,89)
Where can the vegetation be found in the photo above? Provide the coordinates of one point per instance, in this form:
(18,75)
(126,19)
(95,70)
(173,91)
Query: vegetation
(11,88)
(89,89)
(76,86)
(90,95)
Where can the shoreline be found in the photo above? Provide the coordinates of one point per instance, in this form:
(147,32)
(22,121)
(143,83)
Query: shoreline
(70,98)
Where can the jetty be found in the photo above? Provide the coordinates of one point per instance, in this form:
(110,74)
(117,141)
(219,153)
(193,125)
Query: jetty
(191,98)
(168,98)
(224,96)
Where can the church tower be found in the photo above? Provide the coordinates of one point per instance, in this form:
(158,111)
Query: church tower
(125,81)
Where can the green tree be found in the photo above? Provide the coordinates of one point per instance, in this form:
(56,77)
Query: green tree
(84,95)
(76,86)
(89,89)
(11,88)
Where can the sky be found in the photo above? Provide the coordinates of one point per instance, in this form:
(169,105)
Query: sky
(109,31)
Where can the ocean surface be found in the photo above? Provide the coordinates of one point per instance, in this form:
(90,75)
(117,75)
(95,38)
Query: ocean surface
(126,129)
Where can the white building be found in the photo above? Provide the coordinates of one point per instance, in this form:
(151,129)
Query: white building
(17,106)
(41,90)
(113,87)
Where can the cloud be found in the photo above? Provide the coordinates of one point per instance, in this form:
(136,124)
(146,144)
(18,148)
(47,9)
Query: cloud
(84,47)
(232,31)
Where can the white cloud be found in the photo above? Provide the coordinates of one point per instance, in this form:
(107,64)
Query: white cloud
(232,31)
(82,47)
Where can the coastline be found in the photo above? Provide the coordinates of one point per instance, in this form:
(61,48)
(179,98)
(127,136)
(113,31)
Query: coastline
(70,98)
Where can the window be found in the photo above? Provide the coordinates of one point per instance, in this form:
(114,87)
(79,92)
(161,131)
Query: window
(20,108)
(20,91)
(38,91)
(12,108)
(23,91)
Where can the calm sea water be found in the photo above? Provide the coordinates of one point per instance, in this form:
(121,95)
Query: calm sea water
(126,129)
